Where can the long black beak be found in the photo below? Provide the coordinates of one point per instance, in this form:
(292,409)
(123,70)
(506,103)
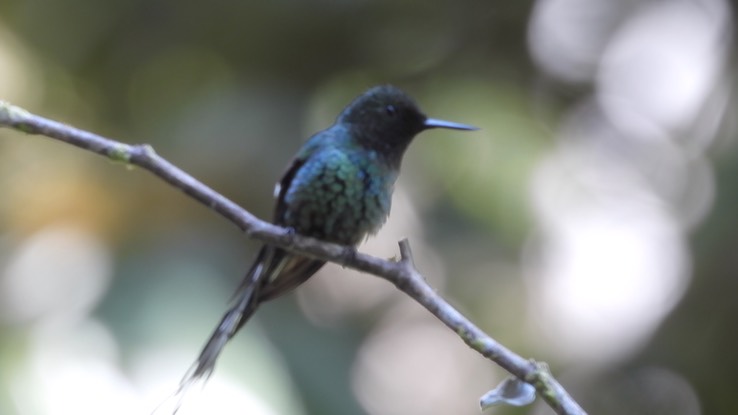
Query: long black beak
(435,123)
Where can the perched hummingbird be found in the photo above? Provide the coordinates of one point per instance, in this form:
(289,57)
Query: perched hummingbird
(338,188)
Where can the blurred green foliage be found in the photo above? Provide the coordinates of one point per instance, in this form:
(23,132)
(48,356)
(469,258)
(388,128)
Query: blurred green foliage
(227,91)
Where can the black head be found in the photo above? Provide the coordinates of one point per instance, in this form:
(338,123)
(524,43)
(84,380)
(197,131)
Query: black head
(386,119)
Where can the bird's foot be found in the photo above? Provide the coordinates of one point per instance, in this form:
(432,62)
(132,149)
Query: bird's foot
(348,255)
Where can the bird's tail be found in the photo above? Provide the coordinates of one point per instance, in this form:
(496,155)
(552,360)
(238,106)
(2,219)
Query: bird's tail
(244,304)
(203,367)
(232,320)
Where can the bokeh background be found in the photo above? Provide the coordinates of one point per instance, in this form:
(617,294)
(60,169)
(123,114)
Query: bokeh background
(591,223)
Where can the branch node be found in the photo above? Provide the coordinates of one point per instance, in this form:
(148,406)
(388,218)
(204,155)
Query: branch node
(148,149)
(16,117)
(406,254)
(120,152)
(538,371)
(541,378)
(145,151)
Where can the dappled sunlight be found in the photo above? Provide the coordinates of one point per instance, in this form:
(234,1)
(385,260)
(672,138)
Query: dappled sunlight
(50,284)
(661,66)
(250,377)
(616,200)
(73,369)
(608,264)
(412,364)
(566,37)
(58,274)
(72,363)
(77,370)
(222,396)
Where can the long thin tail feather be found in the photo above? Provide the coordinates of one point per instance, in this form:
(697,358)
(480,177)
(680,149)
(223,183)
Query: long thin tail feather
(234,318)
(243,305)
(273,273)
(203,367)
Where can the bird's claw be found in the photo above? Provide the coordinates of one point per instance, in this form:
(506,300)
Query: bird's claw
(348,255)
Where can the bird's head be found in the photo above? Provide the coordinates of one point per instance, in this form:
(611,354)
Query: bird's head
(386,119)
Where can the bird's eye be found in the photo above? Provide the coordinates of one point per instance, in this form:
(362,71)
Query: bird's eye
(391,110)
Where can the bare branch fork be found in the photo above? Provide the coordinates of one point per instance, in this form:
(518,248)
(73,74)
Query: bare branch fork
(402,273)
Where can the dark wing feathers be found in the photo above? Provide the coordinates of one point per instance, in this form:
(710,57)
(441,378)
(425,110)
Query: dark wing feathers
(293,270)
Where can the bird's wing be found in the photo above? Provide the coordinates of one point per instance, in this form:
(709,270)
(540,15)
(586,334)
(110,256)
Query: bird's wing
(292,270)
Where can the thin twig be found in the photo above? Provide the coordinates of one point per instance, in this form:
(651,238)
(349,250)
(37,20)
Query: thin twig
(402,274)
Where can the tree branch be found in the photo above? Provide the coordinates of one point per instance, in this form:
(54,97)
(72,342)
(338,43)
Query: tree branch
(402,273)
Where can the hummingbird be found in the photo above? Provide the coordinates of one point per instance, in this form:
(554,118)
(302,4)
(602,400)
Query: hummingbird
(338,189)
